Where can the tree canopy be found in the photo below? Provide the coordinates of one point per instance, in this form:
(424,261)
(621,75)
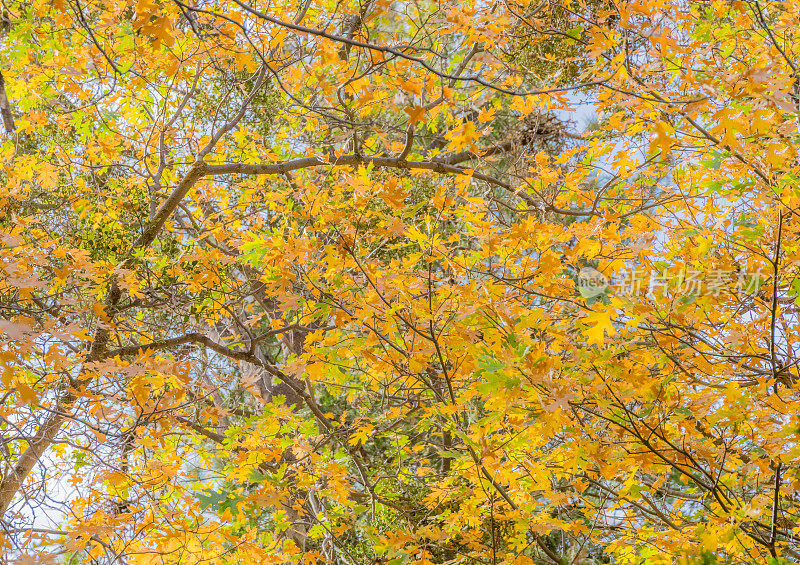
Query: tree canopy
(389,282)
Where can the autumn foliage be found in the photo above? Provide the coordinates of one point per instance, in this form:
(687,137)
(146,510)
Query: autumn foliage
(400,281)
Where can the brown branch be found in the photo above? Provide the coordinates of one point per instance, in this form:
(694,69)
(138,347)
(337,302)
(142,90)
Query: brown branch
(409,143)
(219,438)
(344,160)
(152,346)
(462,156)
(775,504)
(379,163)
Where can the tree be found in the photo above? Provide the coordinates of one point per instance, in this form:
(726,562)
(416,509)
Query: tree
(340,282)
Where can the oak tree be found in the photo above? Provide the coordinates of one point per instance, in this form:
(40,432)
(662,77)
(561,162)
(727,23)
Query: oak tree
(358,282)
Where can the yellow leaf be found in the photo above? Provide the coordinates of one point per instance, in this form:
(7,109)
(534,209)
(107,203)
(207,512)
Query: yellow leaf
(411,86)
(415,113)
(601,323)
(662,140)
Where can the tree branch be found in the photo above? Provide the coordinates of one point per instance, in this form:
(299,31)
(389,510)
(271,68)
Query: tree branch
(5,107)
(401,52)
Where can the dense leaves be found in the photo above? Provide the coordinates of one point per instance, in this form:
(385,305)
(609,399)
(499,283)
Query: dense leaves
(399,282)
